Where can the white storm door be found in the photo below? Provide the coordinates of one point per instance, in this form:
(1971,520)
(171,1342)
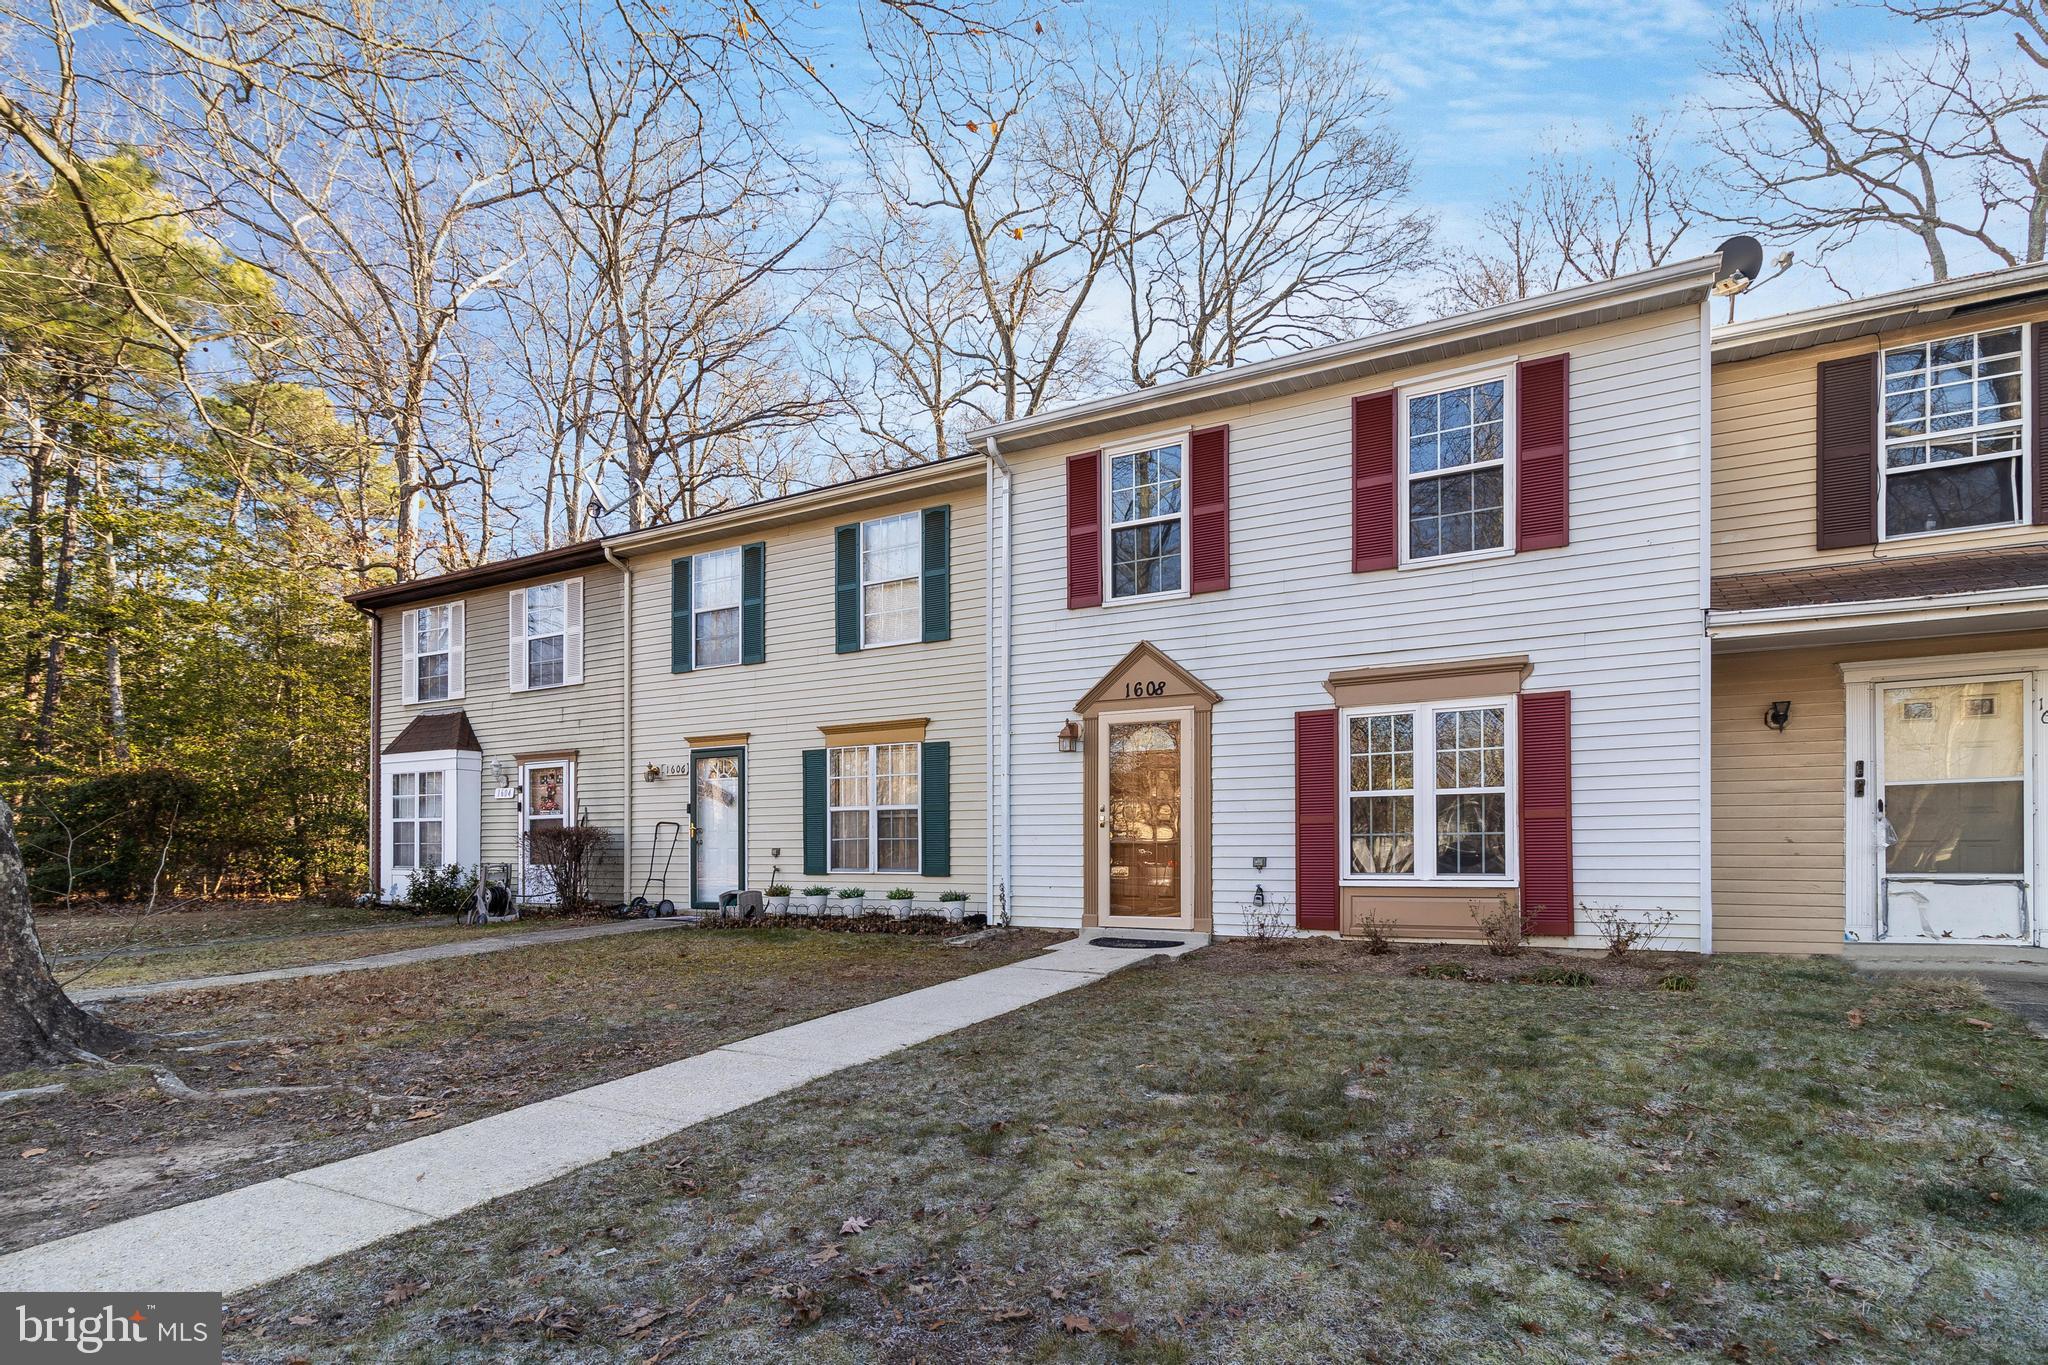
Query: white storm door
(547,798)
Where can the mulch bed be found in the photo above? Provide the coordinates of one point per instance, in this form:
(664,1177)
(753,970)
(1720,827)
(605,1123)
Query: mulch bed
(1468,962)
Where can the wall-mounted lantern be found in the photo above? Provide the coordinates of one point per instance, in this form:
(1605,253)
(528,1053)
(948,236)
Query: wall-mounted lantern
(1778,716)
(1070,737)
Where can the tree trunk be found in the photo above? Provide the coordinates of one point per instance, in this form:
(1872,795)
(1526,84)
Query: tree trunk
(60,604)
(39,1024)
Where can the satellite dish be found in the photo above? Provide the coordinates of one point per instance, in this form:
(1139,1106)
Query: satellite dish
(1742,260)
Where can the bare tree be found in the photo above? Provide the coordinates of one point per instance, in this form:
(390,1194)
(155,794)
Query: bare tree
(1946,141)
(1282,193)
(1574,219)
(363,179)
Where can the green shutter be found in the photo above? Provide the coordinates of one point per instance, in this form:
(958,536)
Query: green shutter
(679,636)
(938,573)
(935,819)
(753,600)
(814,813)
(846,587)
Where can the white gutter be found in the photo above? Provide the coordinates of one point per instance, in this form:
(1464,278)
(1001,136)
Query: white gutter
(1930,302)
(626,718)
(1000,602)
(1765,621)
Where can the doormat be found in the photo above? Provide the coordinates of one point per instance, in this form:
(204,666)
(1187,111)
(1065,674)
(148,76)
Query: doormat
(1135,942)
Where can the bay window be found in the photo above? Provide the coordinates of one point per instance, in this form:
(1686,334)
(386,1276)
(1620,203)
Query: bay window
(417,813)
(1426,792)
(872,801)
(1954,413)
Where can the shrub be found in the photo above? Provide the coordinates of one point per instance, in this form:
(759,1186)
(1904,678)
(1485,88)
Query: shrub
(1505,926)
(112,834)
(449,890)
(952,897)
(1623,932)
(570,856)
(1678,981)
(1375,935)
(817,891)
(777,889)
(1270,923)
(1443,971)
(851,893)
(902,893)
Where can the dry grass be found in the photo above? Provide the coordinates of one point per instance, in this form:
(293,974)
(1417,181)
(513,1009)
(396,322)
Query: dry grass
(407,1050)
(227,958)
(1294,1156)
(117,927)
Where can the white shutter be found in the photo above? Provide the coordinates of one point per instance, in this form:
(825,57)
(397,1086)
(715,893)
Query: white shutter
(516,642)
(455,631)
(408,656)
(572,631)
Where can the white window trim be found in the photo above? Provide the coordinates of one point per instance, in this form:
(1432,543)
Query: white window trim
(739,554)
(1177,437)
(861,563)
(1504,370)
(518,663)
(409,656)
(1425,792)
(874,808)
(2023,503)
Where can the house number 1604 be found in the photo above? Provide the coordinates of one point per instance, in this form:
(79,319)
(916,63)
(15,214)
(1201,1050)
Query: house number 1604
(1144,689)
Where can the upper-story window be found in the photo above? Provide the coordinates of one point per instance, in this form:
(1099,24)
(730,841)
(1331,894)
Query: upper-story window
(1146,515)
(1454,469)
(1953,418)
(891,580)
(547,632)
(715,608)
(433,641)
(1439,771)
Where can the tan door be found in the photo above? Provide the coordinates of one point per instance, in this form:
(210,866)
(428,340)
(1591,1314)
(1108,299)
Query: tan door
(1141,826)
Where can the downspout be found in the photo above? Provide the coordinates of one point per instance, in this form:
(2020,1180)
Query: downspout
(1000,480)
(1706,544)
(625,725)
(376,781)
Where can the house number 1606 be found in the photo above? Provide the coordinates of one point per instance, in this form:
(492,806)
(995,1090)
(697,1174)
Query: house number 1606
(1144,689)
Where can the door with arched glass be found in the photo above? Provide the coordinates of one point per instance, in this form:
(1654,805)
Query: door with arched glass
(1142,821)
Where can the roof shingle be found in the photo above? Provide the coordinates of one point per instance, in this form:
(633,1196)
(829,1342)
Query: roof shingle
(1884,580)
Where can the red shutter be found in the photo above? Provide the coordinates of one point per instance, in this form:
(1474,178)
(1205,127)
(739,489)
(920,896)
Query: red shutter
(1846,453)
(1084,530)
(1543,432)
(1373,520)
(1209,510)
(2040,442)
(1315,819)
(1545,773)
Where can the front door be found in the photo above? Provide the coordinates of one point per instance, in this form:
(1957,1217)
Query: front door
(1952,817)
(718,822)
(1142,823)
(547,798)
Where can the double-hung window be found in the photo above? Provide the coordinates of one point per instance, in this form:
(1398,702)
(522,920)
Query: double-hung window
(872,797)
(1426,792)
(546,633)
(715,608)
(891,580)
(1954,418)
(1455,469)
(416,816)
(433,649)
(1147,522)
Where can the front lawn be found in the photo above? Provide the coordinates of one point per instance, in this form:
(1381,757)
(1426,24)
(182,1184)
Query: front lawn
(126,928)
(294,1073)
(1295,1154)
(287,950)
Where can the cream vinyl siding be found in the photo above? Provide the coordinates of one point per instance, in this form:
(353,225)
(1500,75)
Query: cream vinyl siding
(1764,434)
(802,684)
(586,717)
(1615,618)
(1779,837)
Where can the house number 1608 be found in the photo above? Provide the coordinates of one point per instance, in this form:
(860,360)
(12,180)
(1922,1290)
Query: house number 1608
(1144,689)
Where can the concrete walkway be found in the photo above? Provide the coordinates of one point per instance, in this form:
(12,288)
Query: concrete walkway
(469,947)
(246,1237)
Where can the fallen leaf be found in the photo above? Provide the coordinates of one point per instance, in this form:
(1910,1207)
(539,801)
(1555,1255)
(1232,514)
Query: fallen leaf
(1078,1324)
(1980,1023)
(1009,1314)
(301,1320)
(29,1153)
(400,1292)
(855,1226)
(824,1254)
(1856,1019)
